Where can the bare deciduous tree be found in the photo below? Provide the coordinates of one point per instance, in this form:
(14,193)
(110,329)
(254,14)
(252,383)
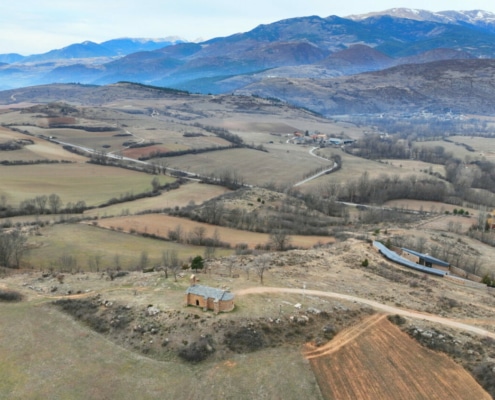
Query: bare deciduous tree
(279,239)
(41,203)
(12,248)
(209,252)
(67,262)
(116,262)
(144,260)
(197,236)
(176,234)
(231,263)
(55,203)
(171,262)
(94,262)
(261,264)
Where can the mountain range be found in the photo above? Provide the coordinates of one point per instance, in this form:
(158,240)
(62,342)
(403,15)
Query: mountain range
(275,58)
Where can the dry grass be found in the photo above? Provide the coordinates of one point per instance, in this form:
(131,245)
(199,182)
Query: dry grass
(457,151)
(40,150)
(72,182)
(191,192)
(85,241)
(484,147)
(161,224)
(353,167)
(78,365)
(282,167)
(81,364)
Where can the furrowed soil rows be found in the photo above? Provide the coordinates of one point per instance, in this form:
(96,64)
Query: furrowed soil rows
(376,360)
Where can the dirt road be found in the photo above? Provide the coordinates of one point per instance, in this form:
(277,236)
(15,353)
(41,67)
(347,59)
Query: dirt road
(374,304)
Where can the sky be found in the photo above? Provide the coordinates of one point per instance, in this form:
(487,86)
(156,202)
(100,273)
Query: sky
(37,26)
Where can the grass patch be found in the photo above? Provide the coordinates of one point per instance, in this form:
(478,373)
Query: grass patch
(91,183)
(83,242)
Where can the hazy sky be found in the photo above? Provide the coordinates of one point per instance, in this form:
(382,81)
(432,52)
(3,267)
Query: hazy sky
(37,26)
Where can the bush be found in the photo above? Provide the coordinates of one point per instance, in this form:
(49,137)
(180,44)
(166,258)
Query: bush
(365,262)
(198,351)
(10,295)
(397,319)
(245,340)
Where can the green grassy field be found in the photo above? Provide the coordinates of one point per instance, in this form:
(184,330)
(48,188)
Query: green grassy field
(72,182)
(85,241)
(192,191)
(81,364)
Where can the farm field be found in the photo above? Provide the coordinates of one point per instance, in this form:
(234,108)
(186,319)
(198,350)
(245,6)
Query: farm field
(82,242)
(290,303)
(353,167)
(280,167)
(161,224)
(416,166)
(190,192)
(428,206)
(484,147)
(457,151)
(40,150)
(376,360)
(91,183)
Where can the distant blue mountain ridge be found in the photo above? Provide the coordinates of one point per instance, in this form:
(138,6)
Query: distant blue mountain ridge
(310,47)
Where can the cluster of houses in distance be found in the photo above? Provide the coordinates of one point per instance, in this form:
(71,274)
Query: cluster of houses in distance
(320,139)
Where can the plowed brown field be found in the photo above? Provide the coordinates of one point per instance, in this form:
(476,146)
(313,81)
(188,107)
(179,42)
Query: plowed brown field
(376,360)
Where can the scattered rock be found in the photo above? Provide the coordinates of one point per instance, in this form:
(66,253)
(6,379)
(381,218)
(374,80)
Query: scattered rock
(152,310)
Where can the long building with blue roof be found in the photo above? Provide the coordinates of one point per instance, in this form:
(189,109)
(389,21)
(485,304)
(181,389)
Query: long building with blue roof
(394,257)
(427,260)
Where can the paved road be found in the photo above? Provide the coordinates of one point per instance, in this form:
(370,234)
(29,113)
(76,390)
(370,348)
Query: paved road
(374,304)
(326,171)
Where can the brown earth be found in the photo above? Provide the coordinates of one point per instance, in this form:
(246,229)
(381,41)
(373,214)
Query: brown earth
(161,224)
(376,360)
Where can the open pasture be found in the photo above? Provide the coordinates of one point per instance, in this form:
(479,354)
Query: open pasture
(279,167)
(456,150)
(376,360)
(82,364)
(107,140)
(354,167)
(433,207)
(484,147)
(39,150)
(91,183)
(416,166)
(191,192)
(83,242)
(160,224)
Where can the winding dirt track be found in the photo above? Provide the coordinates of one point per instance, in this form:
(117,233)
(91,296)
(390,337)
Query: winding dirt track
(345,337)
(374,304)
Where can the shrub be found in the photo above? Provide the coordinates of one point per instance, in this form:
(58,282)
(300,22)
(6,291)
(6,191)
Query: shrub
(365,262)
(245,340)
(10,295)
(198,351)
(397,319)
